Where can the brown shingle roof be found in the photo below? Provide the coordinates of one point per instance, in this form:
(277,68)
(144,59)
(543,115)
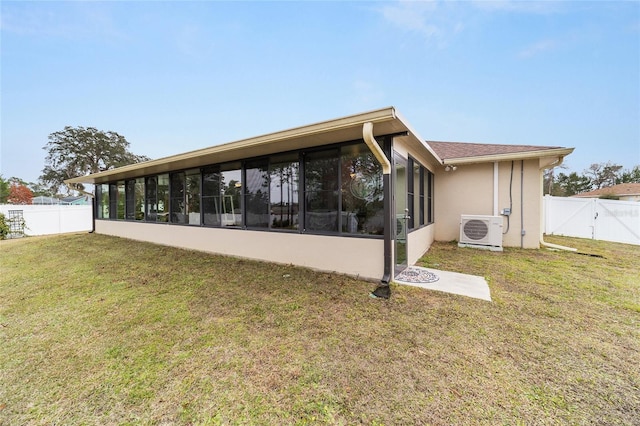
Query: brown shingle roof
(623,189)
(448,150)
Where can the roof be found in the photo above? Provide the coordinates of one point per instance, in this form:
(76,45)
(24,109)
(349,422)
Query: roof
(41,199)
(621,190)
(464,152)
(386,121)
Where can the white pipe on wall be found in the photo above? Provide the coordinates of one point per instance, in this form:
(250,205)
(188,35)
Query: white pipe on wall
(495,188)
(369,139)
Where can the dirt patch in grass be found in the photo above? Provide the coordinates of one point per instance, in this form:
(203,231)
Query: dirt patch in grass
(100,330)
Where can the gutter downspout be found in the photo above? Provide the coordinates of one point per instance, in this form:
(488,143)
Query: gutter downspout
(542,241)
(495,188)
(522,230)
(383,290)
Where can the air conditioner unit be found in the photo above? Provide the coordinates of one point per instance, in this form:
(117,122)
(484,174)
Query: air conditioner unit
(481,232)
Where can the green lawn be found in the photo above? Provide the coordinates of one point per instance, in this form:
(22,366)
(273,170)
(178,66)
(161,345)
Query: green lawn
(100,330)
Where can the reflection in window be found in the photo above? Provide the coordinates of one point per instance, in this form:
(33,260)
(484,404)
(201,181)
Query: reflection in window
(362,191)
(130,189)
(321,190)
(177,198)
(211,196)
(429,201)
(102,197)
(163,198)
(139,199)
(113,201)
(151,198)
(231,191)
(421,201)
(121,199)
(256,201)
(284,173)
(192,196)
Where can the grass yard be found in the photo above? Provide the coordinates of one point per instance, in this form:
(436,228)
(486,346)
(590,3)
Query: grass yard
(100,330)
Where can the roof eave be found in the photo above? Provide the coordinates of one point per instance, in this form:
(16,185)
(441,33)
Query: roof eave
(165,164)
(552,152)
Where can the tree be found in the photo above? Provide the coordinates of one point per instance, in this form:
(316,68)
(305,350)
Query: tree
(550,182)
(78,151)
(630,176)
(4,190)
(571,184)
(603,175)
(19,194)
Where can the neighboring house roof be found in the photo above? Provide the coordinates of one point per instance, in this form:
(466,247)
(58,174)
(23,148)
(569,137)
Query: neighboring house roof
(76,200)
(466,153)
(621,190)
(44,200)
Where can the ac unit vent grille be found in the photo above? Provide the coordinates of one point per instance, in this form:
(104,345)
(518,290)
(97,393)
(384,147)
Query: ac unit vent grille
(481,231)
(476,229)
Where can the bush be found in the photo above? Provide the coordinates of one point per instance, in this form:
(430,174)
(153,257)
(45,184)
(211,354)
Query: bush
(4,227)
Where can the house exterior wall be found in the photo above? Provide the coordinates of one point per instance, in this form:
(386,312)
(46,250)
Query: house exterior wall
(418,242)
(362,257)
(469,190)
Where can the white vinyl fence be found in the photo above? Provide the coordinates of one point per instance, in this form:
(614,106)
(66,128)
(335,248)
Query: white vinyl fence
(608,220)
(52,219)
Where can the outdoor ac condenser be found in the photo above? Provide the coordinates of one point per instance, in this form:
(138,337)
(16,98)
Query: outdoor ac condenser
(481,231)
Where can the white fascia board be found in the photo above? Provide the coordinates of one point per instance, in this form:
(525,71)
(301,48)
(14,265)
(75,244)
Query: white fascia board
(508,157)
(164,164)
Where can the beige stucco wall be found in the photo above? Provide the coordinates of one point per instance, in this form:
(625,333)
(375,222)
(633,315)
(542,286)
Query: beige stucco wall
(361,257)
(469,190)
(418,242)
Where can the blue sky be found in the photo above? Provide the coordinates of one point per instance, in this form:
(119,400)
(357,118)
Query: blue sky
(178,76)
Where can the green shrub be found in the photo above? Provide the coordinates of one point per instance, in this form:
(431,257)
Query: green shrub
(4,227)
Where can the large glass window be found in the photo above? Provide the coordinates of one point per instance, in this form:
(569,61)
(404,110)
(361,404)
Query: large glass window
(342,193)
(231,191)
(416,221)
(151,198)
(362,191)
(113,201)
(121,199)
(192,196)
(130,190)
(284,173)
(139,199)
(256,201)
(411,187)
(429,202)
(177,198)
(163,198)
(211,196)
(185,197)
(102,197)
(422,197)
(321,190)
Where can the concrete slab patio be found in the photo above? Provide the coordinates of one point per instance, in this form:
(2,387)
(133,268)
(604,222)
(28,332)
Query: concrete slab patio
(445,281)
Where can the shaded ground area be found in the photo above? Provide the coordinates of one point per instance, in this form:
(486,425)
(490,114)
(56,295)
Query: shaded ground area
(100,330)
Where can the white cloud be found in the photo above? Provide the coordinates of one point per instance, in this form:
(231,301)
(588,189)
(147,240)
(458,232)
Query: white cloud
(412,16)
(518,6)
(537,48)
(70,20)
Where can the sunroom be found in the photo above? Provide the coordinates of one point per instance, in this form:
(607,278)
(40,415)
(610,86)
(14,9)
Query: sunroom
(354,195)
